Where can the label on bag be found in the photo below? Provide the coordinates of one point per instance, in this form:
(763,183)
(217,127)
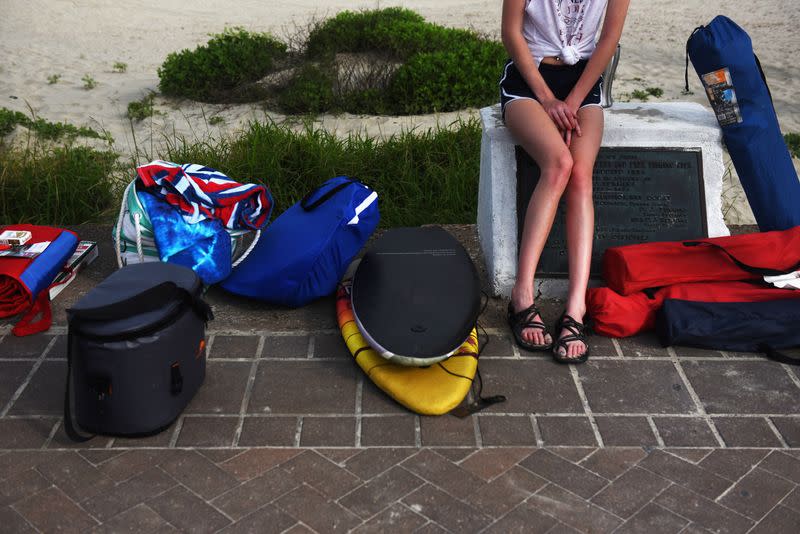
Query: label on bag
(722,96)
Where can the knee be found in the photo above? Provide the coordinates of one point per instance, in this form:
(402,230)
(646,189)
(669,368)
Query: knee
(556,172)
(580,182)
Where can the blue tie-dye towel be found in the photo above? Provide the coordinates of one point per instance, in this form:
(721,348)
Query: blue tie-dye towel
(204,246)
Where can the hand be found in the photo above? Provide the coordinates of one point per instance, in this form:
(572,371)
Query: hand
(561,114)
(567,136)
(573,107)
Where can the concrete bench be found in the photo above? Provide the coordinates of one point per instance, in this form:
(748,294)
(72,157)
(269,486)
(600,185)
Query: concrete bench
(673,125)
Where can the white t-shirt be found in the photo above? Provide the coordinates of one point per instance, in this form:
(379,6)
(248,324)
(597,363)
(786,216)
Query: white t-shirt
(562,28)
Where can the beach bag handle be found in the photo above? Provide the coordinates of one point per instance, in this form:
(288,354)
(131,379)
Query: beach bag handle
(760,271)
(123,209)
(310,206)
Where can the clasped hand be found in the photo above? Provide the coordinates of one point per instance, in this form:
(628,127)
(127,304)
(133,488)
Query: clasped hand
(564,117)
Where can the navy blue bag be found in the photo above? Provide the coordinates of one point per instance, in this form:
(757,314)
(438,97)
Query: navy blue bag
(722,54)
(736,326)
(304,253)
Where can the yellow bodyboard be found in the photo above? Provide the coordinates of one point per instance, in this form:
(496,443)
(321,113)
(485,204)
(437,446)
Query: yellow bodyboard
(433,390)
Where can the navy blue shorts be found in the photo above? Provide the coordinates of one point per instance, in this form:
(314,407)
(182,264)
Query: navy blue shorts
(560,79)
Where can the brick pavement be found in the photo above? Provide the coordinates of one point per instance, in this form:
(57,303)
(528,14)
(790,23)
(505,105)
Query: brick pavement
(286,435)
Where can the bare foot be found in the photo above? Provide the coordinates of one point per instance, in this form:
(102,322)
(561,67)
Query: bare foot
(530,327)
(572,343)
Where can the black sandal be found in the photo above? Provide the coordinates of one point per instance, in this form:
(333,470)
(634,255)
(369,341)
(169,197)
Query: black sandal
(577,332)
(519,321)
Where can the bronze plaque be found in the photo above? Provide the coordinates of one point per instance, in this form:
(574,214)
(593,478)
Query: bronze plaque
(640,195)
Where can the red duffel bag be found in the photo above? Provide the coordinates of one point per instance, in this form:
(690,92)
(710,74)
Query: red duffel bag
(618,315)
(632,268)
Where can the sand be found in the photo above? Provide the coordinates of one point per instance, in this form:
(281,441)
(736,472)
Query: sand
(73,39)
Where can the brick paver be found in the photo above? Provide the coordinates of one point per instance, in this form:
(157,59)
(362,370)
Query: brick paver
(287,435)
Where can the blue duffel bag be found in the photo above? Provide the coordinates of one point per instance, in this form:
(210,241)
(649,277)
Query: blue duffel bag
(768,326)
(722,55)
(304,253)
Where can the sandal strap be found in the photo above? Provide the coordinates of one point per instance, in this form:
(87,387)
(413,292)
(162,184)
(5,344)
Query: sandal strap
(568,323)
(577,331)
(531,310)
(563,341)
(524,318)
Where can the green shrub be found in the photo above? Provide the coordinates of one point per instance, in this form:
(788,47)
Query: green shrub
(9,120)
(141,109)
(45,129)
(444,69)
(56,186)
(378,30)
(310,89)
(792,143)
(404,65)
(465,76)
(227,61)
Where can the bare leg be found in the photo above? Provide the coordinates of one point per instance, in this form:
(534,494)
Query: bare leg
(540,138)
(580,218)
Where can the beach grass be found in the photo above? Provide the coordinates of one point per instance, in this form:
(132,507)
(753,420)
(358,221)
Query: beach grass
(421,177)
(56,185)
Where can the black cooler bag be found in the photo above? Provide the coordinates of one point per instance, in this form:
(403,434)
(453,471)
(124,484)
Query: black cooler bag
(136,351)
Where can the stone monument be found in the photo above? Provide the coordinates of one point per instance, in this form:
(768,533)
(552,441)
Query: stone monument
(658,177)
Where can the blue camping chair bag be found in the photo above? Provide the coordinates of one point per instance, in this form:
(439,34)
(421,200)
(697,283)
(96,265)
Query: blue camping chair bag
(722,55)
(304,253)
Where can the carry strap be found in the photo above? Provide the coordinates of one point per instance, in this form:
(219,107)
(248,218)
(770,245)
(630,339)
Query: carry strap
(760,271)
(480,402)
(764,78)
(325,197)
(29,325)
(686,69)
(148,300)
(69,426)
(780,357)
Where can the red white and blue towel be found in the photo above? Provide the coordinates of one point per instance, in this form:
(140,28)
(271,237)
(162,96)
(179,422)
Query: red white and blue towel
(201,193)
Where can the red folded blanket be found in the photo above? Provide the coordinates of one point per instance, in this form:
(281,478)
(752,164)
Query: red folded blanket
(24,280)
